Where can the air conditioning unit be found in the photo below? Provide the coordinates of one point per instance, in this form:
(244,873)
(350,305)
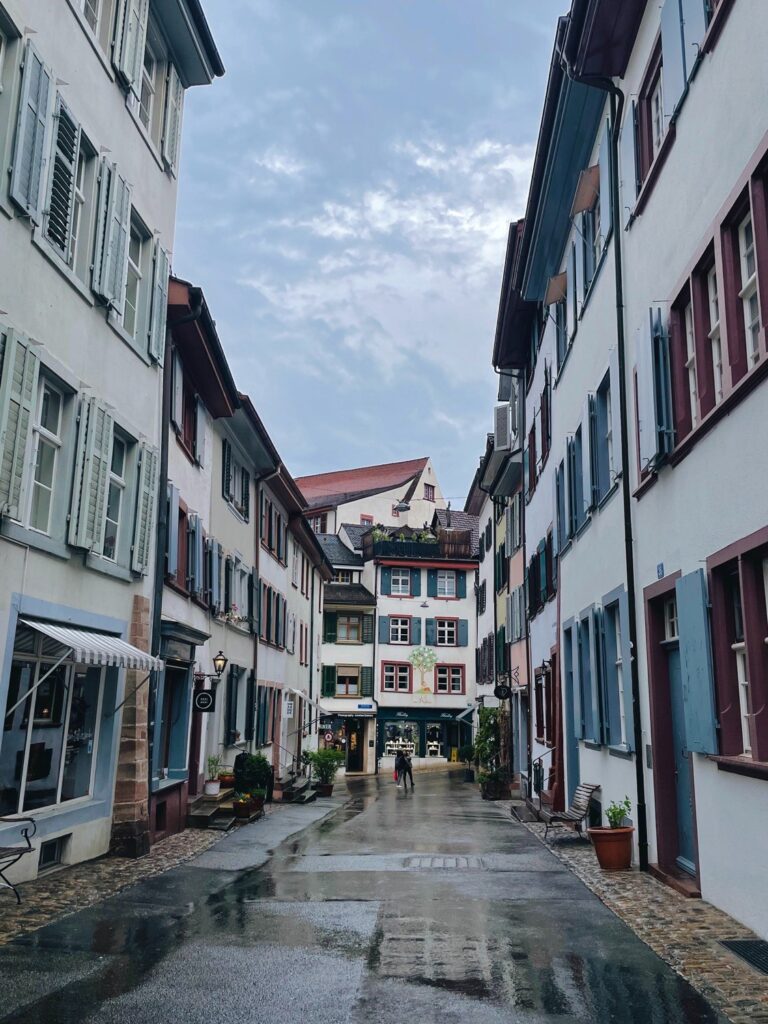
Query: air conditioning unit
(502,427)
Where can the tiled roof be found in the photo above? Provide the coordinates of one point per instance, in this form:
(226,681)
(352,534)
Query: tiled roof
(336,551)
(368,479)
(348,593)
(355,533)
(460,521)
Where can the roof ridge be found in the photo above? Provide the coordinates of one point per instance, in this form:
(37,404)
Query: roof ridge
(360,469)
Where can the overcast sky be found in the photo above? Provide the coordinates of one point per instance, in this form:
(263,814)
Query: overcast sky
(345,195)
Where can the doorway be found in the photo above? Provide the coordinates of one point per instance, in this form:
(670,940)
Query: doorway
(354,731)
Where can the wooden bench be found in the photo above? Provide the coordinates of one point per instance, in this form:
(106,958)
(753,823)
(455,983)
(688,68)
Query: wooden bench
(9,855)
(576,814)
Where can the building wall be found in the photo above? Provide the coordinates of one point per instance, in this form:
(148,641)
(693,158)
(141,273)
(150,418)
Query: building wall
(379,506)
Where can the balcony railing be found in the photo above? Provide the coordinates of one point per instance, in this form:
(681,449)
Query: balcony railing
(447,545)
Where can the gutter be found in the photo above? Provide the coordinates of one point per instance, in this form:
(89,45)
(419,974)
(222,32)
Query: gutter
(617,105)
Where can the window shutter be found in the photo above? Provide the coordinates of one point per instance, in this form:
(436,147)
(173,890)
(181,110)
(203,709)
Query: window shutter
(366,681)
(694,30)
(431,582)
(626,665)
(61,195)
(110,264)
(191,568)
(673,57)
(330,620)
(213,574)
(430,632)
(368,629)
(461,584)
(615,385)
(415,637)
(233,678)
(600,723)
(33,125)
(462,633)
(606,207)
(250,708)
(662,380)
(646,411)
(329,680)
(589,453)
(200,424)
(226,469)
(172,546)
(159,304)
(98,279)
(386,581)
(570,292)
(89,494)
(541,554)
(556,485)
(174,100)
(415,582)
(146,501)
(199,557)
(130,41)
(177,392)
(383,629)
(18,393)
(630,166)
(696,663)
(245,483)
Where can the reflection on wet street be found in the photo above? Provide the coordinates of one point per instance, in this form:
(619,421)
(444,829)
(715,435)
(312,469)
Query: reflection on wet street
(430,906)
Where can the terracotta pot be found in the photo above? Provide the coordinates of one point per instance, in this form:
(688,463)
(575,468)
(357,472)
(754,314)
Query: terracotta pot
(227,780)
(613,847)
(325,789)
(242,808)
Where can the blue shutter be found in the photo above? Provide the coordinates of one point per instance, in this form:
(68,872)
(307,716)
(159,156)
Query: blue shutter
(630,173)
(383,629)
(461,584)
(33,127)
(572,288)
(415,582)
(673,84)
(696,663)
(416,631)
(608,656)
(646,409)
(606,206)
(662,386)
(599,710)
(172,548)
(462,633)
(386,581)
(694,30)
(431,582)
(626,670)
(430,633)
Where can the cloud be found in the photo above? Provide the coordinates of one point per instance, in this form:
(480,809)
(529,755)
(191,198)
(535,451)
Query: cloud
(280,162)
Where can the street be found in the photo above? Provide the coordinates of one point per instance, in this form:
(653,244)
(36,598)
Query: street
(427,906)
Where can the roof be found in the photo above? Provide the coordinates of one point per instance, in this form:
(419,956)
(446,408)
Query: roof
(348,593)
(450,520)
(345,484)
(355,532)
(336,551)
(601,35)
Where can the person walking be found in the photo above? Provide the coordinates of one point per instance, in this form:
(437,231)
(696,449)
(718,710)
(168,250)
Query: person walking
(408,771)
(401,767)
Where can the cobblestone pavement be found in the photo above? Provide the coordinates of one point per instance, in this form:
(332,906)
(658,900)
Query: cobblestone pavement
(70,889)
(684,932)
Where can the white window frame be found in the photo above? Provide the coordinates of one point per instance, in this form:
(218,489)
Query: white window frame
(713,298)
(348,670)
(690,362)
(444,630)
(657,115)
(135,268)
(447,686)
(120,484)
(609,432)
(93,4)
(150,83)
(394,677)
(740,651)
(42,435)
(399,630)
(616,622)
(748,293)
(403,588)
(446,583)
(350,622)
(670,619)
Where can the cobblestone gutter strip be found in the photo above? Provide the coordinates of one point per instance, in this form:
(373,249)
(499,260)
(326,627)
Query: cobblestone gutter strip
(683,932)
(71,889)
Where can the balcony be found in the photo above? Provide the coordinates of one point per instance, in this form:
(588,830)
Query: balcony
(407,544)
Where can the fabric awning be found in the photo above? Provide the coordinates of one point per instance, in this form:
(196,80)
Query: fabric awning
(587,190)
(98,648)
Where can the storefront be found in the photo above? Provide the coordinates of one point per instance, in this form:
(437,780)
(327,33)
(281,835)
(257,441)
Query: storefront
(353,734)
(422,732)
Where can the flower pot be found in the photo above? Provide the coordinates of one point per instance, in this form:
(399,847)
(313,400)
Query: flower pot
(613,847)
(325,789)
(242,808)
(257,804)
(212,787)
(494,789)
(469,775)
(227,779)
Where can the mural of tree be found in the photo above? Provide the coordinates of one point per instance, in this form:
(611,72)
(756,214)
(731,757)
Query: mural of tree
(424,659)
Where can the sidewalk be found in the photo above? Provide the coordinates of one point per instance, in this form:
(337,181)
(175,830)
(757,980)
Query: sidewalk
(685,933)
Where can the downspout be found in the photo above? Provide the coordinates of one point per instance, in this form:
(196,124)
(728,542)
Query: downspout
(375,635)
(258,481)
(617,106)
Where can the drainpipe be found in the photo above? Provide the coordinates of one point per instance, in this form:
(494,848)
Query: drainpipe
(617,106)
(375,635)
(258,481)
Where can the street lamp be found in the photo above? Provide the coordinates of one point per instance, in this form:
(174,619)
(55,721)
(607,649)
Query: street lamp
(220,663)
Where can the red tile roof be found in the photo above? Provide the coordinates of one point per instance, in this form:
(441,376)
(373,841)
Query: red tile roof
(369,479)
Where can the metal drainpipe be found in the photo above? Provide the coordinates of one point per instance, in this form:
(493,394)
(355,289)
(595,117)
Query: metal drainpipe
(617,106)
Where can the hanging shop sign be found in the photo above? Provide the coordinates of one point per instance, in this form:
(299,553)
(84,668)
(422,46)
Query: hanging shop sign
(502,692)
(288,705)
(204,701)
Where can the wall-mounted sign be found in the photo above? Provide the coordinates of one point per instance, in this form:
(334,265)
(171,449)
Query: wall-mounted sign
(365,707)
(502,692)
(204,701)
(660,571)
(328,737)
(288,706)
(401,714)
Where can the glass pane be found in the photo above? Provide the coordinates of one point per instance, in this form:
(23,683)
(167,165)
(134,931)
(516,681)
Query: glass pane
(134,251)
(81,734)
(14,737)
(131,299)
(46,459)
(118,456)
(40,512)
(46,739)
(50,411)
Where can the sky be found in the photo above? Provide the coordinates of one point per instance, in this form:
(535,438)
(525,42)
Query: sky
(345,195)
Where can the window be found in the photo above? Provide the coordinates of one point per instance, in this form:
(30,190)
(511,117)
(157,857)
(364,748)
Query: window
(148,76)
(115,499)
(613,660)
(236,489)
(561,332)
(446,583)
(136,279)
(366,520)
(657,115)
(47,442)
(347,681)
(481,598)
(449,679)
(396,510)
(90,9)
(446,632)
(319,523)
(399,630)
(397,677)
(690,362)
(348,629)
(670,619)
(748,292)
(604,437)
(342,576)
(714,333)
(429,492)
(401,583)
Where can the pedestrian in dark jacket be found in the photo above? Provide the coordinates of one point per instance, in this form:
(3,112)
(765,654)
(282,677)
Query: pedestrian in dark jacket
(401,768)
(408,771)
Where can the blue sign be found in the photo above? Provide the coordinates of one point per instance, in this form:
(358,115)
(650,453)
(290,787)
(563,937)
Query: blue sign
(660,571)
(364,707)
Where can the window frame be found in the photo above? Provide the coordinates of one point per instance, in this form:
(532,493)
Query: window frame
(55,441)
(450,690)
(446,625)
(400,629)
(448,576)
(350,620)
(404,577)
(349,672)
(397,668)
(429,492)
(120,483)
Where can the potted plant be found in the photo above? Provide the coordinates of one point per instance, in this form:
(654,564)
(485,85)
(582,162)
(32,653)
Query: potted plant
(493,778)
(226,777)
(326,763)
(212,784)
(241,805)
(252,772)
(467,755)
(257,800)
(613,844)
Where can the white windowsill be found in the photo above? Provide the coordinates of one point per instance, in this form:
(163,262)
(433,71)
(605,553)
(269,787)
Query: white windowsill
(43,245)
(92,40)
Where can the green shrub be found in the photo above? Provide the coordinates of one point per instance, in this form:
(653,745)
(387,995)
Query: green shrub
(326,763)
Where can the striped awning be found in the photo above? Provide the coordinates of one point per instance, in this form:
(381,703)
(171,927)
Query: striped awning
(98,648)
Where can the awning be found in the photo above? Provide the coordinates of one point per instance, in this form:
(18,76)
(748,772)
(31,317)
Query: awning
(98,648)
(556,289)
(587,190)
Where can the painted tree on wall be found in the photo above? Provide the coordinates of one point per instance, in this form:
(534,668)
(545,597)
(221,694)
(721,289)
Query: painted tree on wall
(424,659)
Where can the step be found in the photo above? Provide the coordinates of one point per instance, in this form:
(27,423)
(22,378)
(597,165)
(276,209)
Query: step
(305,797)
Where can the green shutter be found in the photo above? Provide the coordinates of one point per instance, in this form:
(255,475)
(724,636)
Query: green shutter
(462,633)
(110,264)
(32,133)
(145,510)
(415,582)
(416,632)
(18,391)
(174,99)
(461,584)
(329,627)
(431,582)
(226,469)
(368,629)
(430,633)
(329,680)
(386,581)
(366,681)
(89,494)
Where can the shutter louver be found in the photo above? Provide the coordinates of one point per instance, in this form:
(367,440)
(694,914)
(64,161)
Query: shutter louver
(61,199)
(615,391)
(696,663)
(18,391)
(200,422)
(159,304)
(110,264)
(145,509)
(415,632)
(89,494)
(177,392)
(366,681)
(174,100)
(329,680)
(368,629)
(31,144)
(226,469)
(330,622)
(674,59)
(172,540)
(130,41)
(630,166)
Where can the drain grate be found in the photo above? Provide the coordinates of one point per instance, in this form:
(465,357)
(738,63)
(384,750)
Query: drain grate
(754,951)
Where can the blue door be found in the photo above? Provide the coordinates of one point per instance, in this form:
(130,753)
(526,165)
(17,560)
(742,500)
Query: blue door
(572,730)
(686,845)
